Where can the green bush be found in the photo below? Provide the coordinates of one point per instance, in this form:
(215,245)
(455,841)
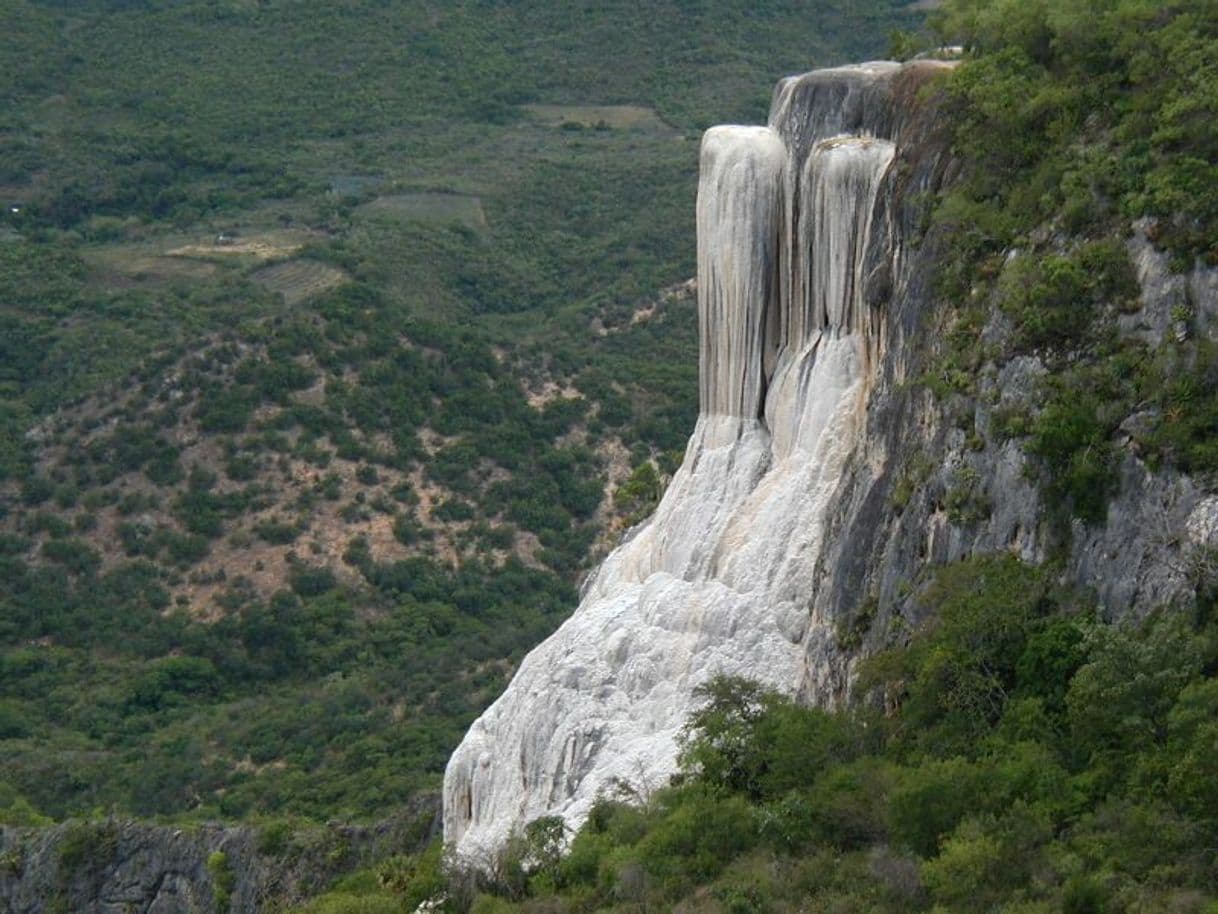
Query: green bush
(76,556)
(931,799)
(1121,699)
(175,680)
(277,532)
(1048,299)
(226,410)
(13,723)
(957,677)
(223,880)
(86,847)
(1183,386)
(697,839)
(415,879)
(309,581)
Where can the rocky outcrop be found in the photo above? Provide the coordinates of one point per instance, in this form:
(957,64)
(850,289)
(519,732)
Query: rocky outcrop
(932,482)
(122,867)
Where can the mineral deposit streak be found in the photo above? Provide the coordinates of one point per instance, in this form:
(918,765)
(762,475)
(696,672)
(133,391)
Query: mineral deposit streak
(718,581)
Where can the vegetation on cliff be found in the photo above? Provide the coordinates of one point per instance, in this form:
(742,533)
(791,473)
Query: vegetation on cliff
(1075,122)
(1020,756)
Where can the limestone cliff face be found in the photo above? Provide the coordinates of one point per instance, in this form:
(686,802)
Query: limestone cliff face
(892,521)
(805,236)
(823,480)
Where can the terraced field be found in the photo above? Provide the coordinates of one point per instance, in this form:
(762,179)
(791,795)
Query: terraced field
(124,263)
(255,247)
(299,280)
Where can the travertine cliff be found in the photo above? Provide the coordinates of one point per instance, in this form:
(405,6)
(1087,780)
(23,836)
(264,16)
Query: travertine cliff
(801,247)
(824,479)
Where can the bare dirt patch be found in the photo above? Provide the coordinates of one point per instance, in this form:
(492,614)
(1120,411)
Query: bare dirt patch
(549,391)
(262,246)
(620,117)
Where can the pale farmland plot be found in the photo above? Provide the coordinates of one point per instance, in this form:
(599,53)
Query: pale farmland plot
(430,207)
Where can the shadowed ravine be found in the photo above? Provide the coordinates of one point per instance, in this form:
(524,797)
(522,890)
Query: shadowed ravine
(796,260)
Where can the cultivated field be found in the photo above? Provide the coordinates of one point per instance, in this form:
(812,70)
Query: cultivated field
(434,208)
(299,280)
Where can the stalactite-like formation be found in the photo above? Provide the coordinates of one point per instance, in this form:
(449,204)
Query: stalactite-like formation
(719,580)
(740,215)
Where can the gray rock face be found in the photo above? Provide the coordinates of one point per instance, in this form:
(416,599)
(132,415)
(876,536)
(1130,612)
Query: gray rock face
(119,867)
(886,534)
(114,866)
(1173,303)
(1164,293)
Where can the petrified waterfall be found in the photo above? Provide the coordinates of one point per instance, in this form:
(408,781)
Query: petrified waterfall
(795,258)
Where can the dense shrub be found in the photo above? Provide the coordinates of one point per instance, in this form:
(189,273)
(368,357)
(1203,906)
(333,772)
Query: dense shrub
(1082,783)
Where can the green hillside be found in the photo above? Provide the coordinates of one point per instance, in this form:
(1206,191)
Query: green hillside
(333,348)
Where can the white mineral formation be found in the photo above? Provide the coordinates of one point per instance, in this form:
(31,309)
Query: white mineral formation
(718,581)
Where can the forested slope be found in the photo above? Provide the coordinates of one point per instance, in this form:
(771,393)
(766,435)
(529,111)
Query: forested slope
(332,347)
(1024,758)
